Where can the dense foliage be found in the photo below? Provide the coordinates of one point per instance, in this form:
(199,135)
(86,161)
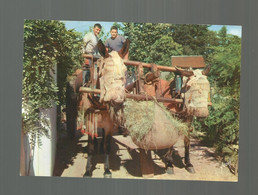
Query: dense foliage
(195,39)
(47,44)
(222,126)
(151,42)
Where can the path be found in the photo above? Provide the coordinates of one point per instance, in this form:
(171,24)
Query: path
(71,162)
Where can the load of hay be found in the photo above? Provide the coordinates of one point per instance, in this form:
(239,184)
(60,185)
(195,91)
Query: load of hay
(151,125)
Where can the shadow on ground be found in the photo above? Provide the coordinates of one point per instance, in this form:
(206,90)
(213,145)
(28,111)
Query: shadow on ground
(67,150)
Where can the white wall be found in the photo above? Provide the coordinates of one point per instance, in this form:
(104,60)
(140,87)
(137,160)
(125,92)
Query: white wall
(44,153)
(41,160)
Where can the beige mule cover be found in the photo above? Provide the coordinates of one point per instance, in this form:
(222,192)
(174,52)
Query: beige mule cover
(112,78)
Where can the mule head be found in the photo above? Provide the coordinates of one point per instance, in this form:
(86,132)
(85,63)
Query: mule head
(112,74)
(195,90)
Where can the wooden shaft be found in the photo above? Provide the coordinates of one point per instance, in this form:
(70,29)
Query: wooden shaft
(136,63)
(137,96)
(147,65)
(146,97)
(89,90)
(134,96)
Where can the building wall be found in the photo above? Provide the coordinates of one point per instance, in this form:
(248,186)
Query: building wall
(40,161)
(44,153)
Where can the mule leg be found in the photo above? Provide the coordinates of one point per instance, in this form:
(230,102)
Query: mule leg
(88,172)
(188,165)
(106,148)
(169,164)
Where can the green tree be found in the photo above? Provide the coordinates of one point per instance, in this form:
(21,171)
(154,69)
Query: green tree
(47,44)
(222,34)
(195,39)
(162,50)
(150,42)
(226,61)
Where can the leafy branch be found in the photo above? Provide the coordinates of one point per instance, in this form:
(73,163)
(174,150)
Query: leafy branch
(47,45)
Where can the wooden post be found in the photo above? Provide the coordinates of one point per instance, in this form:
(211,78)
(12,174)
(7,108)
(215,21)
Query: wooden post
(92,69)
(146,163)
(140,80)
(156,72)
(158,89)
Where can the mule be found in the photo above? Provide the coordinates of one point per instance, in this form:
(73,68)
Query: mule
(106,111)
(194,92)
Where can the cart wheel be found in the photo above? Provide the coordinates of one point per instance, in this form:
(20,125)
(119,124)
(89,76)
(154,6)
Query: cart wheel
(71,110)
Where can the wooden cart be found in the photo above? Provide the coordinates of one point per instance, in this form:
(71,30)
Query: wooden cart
(137,90)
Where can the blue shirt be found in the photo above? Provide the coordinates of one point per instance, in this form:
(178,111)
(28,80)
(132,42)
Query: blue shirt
(115,44)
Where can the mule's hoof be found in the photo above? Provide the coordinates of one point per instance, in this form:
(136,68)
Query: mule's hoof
(87,174)
(170,171)
(190,169)
(107,174)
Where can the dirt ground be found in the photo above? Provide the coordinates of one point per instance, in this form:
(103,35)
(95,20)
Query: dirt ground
(71,161)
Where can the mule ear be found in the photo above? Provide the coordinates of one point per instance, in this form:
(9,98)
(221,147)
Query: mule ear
(206,70)
(124,50)
(102,49)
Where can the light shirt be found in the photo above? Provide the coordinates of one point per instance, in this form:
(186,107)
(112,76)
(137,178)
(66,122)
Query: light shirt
(90,43)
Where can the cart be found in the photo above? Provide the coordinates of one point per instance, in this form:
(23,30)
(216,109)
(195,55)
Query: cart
(147,86)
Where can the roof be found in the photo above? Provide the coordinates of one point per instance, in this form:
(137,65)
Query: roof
(188,61)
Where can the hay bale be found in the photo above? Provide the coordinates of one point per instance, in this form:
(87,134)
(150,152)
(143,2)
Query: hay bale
(151,125)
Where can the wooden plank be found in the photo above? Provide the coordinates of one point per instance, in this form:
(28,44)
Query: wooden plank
(125,141)
(140,80)
(188,61)
(146,162)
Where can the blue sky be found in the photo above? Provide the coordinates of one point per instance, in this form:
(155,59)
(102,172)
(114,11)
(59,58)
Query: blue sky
(82,26)
(232,29)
